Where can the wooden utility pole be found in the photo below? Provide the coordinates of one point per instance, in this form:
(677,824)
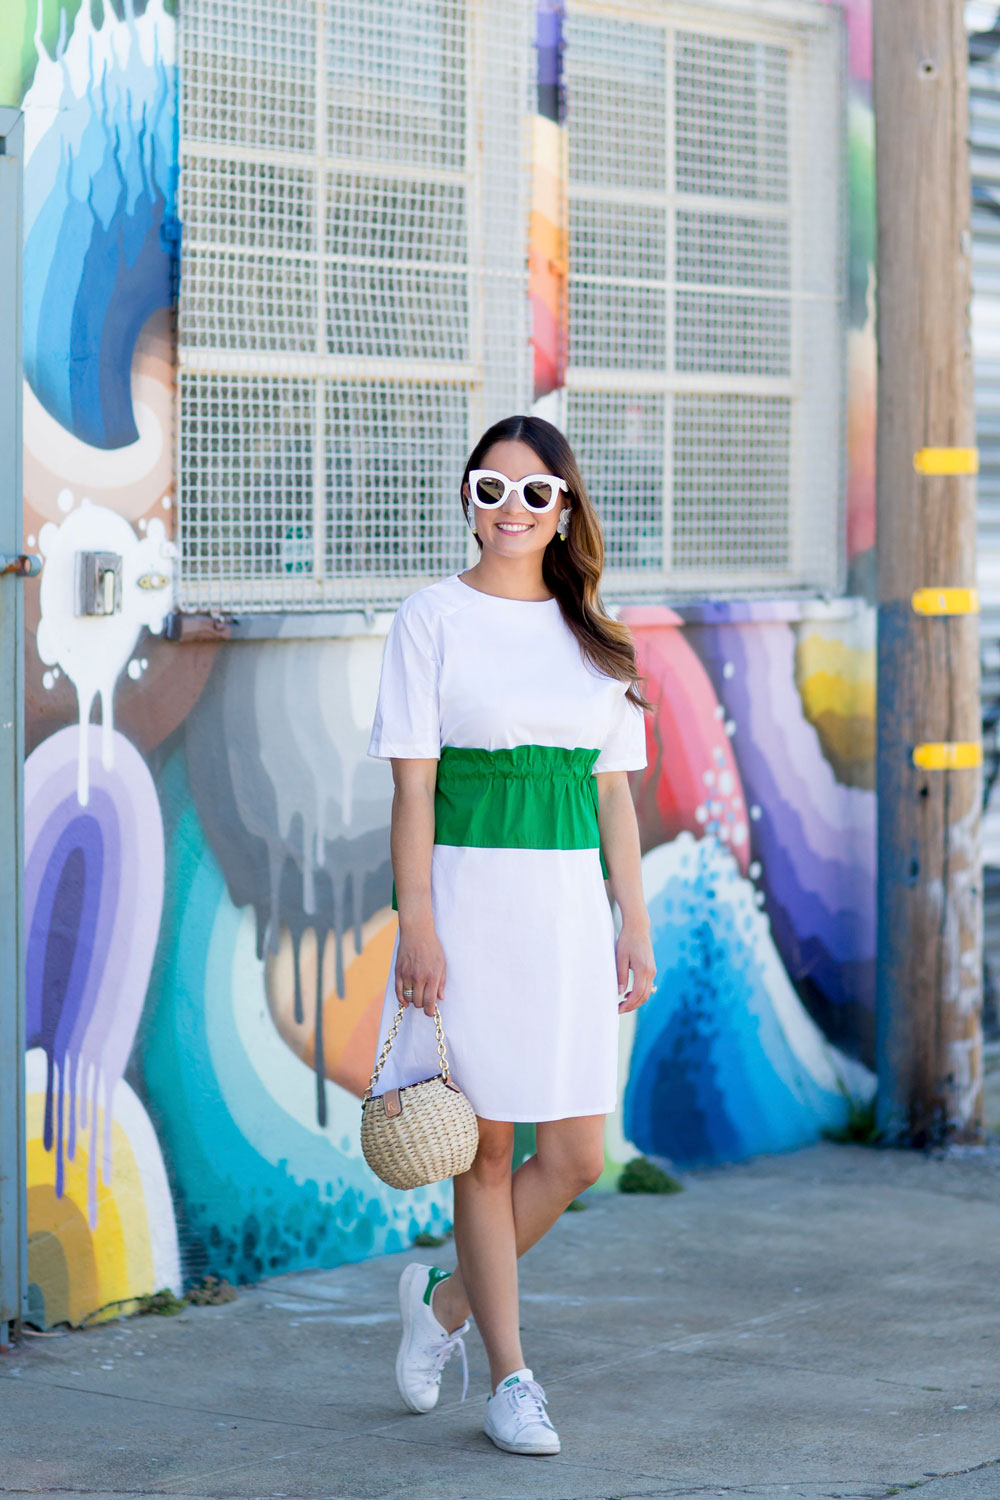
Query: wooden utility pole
(929,966)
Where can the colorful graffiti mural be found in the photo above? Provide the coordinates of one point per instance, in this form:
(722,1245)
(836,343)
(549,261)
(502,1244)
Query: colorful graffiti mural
(98,100)
(208,1155)
(759,877)
(208,877)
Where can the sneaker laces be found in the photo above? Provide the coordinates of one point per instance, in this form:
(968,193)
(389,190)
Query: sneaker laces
(529,1403)
(443,1353)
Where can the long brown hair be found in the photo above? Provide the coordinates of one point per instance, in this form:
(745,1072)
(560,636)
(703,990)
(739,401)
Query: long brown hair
(570,569)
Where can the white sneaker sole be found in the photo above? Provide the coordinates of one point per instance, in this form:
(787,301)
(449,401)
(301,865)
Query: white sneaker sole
(539,1450)
(410,1275)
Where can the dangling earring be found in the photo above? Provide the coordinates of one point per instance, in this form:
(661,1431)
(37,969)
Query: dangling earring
(563,525)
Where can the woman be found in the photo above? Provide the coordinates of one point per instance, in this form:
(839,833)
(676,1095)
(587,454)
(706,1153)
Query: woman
(509,705)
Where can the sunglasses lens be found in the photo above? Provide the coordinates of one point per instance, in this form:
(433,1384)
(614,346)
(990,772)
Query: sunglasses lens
(538,494)
(489,491)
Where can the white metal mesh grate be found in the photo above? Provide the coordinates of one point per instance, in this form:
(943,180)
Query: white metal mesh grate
(705,380)
(354,193)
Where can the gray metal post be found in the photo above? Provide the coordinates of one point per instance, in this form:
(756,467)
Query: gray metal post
(13,1189)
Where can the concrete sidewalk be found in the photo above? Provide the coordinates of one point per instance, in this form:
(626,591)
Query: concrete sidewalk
(817,1325)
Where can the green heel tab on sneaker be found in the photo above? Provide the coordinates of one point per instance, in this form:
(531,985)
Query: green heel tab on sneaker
(434,1275)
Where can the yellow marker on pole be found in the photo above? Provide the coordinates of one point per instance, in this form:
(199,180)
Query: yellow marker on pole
(946,460)
(946,601)
(949,755)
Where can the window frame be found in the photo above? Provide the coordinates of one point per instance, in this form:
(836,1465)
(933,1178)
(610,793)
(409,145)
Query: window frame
(313,587)
(791,25)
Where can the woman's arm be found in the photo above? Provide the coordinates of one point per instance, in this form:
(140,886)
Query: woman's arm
(620,843)
(420,960)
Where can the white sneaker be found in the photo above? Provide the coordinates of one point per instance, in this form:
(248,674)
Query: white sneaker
(425,1347)
(515,1416)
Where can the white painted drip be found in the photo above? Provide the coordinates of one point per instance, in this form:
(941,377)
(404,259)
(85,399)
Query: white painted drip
(91,52)
(93,651)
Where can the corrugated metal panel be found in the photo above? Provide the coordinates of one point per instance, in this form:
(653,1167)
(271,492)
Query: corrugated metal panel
(991,952)
(983,24)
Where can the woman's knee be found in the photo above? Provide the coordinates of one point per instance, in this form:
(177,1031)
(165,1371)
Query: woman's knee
(574,1163)
(584,1169)
(495,1151)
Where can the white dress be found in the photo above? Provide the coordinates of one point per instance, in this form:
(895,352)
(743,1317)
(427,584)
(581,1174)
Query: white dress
(498,691)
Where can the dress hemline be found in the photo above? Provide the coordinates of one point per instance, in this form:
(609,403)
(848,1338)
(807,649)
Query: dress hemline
(577,1114)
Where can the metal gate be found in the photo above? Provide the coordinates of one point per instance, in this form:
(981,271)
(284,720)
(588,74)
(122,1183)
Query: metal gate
(983,21)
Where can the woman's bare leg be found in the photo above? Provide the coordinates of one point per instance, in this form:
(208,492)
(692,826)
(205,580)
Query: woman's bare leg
(487,1250)
(501,1221)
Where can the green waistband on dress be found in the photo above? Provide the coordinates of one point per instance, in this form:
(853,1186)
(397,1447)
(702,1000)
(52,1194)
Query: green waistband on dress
(528,797)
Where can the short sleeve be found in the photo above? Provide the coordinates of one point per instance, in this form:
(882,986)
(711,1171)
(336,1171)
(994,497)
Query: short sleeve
(407,714)
(624,747)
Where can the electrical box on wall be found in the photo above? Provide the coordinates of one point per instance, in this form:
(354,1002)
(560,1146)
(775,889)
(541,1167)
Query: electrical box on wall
(98,583)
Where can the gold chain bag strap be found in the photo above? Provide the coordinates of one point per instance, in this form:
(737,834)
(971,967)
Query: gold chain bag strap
(421,1133)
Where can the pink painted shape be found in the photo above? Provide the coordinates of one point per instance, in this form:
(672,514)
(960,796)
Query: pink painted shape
(545,342)
(858,14)
(692,779)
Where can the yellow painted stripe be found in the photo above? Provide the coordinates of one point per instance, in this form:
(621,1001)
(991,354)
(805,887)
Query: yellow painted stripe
(946,461)
(954,755)
(946,601)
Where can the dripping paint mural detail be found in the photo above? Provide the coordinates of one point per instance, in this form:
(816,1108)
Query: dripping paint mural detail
(93,895)
(92,652)
(297,816)
(101,162)
(109,1158)
(76,1268)
(99,127)
(262,1184)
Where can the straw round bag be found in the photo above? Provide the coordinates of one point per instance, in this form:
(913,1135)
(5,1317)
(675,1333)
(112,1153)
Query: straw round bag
(421,1133)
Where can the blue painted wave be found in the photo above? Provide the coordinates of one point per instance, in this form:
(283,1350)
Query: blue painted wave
(726,1062)
(99,196)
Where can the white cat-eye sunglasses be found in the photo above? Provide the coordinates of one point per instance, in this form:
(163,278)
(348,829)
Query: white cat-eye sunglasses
(537,492)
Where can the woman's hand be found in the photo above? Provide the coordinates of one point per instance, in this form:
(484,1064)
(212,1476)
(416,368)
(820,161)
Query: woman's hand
(420,967)
(634,951)
(620,843)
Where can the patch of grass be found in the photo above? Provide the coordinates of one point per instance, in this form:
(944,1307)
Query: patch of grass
(860,1127)
(576,1207)
(428,1241)
(641,1175)
(162,1303)
(211,1291)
